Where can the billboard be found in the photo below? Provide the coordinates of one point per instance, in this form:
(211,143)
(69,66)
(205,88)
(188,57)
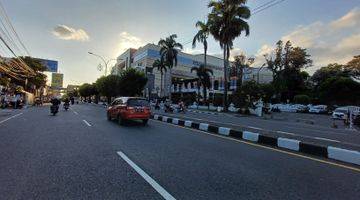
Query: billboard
(57,80)
(51,65)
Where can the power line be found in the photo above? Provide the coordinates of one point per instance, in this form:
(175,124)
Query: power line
(263,5)
(268,6)
(256,10)
(12,28)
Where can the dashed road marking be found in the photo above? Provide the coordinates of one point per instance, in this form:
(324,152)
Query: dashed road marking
(320,138)
(287,133)
(87,123)
(147,178)
(256,128)
(10,118)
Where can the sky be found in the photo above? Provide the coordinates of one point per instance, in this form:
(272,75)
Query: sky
(66,30)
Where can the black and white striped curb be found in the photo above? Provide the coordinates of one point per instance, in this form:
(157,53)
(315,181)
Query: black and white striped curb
(340,154)
(203,112)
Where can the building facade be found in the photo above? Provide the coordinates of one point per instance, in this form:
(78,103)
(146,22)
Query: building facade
(177,79)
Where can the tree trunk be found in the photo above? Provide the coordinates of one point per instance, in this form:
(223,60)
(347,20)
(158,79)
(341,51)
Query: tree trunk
(161,80)
(225,79)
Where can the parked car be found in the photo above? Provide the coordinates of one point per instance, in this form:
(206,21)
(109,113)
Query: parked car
(129,108)
(301,108)
(342,112)
(319,109)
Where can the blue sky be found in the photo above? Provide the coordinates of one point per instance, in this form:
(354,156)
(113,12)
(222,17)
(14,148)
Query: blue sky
(329,29)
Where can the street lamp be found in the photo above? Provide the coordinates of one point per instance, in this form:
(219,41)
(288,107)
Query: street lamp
(106,63)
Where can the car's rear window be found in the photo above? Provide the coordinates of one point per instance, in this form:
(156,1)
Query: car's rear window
(137,102)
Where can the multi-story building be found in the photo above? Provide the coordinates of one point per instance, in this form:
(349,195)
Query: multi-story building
(181,78)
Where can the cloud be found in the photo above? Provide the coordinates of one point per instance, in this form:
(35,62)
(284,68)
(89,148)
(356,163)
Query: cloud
(193,51)
(334,41)
(351,19)
(127,41)
(67,33)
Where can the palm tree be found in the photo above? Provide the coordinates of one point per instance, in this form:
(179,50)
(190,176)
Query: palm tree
(201,36)
(203,73)
(162,68)
(226,22)
(169,50)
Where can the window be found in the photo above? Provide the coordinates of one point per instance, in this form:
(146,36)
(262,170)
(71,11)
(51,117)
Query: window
(137,102)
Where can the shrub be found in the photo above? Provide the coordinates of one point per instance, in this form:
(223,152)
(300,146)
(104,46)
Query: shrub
(302,99)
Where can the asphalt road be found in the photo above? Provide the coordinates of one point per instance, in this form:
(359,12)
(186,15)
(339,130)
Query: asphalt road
(80,155)
(288,128)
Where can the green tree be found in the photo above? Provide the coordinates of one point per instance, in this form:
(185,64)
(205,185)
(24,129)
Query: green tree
(227,22)
(39,79)
(169,50)
(340,91)
(302,99)
(201,36)
(331,70)
(240,65)
(87,90)
(353,67)
(132,82)
(107,86)
(286,65)
(203,73)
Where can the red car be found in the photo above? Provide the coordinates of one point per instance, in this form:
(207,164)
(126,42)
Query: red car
(129,108)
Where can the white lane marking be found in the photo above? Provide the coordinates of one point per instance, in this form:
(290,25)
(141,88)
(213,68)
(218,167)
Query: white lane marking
(10,118)
(285,132)
(87,123)
(256,128)
(320,138)
(147,178)
(75,112)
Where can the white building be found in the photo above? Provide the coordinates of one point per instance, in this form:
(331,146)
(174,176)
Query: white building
(144,57)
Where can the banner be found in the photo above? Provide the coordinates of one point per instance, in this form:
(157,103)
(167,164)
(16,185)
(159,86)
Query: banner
(57,80)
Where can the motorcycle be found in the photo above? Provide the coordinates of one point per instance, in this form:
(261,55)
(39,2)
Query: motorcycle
(54,109)
(66,106)
(169,109)
(181,110)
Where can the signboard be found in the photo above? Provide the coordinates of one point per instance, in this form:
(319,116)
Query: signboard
(57,80)
(51,65)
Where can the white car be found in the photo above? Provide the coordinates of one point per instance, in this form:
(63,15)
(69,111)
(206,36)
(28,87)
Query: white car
(342,112)
(318,109)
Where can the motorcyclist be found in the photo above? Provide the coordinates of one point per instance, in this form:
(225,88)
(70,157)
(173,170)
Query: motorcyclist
(168,107)
(55,105)
(66,103)
(55,102)
(181,105)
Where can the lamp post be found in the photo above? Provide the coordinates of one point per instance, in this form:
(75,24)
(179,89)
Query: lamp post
(106,63)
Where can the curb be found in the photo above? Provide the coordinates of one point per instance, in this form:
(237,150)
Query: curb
(330,152)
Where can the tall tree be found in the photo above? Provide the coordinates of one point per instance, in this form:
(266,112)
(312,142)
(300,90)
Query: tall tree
(201,36)
(227,22)
(353,67)
(240,66)
(203,73)
(132,82)
(107,86)
(169,50)
(161,67)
